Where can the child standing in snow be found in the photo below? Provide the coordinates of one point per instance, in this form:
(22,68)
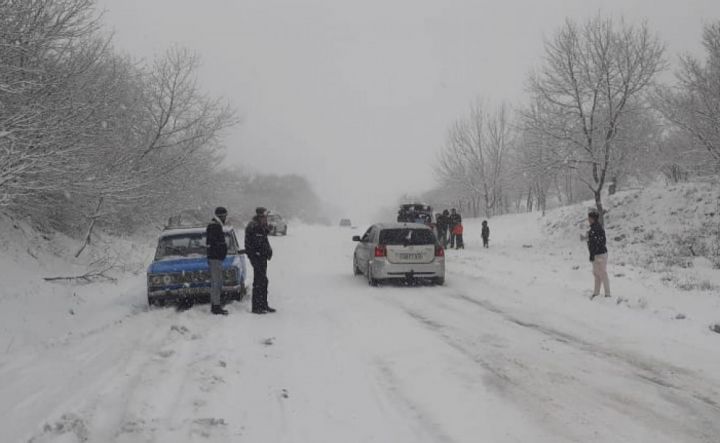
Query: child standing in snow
(485,234)
(458,234)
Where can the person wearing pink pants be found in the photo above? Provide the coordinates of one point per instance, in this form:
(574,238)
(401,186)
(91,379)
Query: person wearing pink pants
(598,254)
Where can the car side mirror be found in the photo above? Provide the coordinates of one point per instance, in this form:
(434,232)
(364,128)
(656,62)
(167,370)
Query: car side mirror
(356,238)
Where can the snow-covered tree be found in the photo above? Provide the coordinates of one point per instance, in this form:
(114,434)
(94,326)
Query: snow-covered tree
(591,84)
(693,105)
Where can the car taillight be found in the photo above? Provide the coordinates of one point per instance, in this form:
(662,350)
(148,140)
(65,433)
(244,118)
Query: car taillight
(439,251)
(380,251)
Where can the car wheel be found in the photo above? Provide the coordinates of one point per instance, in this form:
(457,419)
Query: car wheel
(439,281)
(285,231)
(238,296)
(356,269)
(155,302)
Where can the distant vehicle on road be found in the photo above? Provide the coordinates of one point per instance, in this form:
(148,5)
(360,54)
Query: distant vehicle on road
(180,272)
(345,223)
(404,251)
(415,213)
(278,225)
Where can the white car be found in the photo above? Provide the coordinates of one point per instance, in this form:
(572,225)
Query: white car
(406,251)
(278,226)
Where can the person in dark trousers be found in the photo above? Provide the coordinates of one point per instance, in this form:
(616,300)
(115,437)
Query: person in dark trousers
(443,224)
(258,250)
(598,254)
(216,253)
(455,219)
(458,233)
(485,234)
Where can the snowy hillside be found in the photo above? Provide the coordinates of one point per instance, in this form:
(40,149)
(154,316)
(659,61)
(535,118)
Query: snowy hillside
(673,230)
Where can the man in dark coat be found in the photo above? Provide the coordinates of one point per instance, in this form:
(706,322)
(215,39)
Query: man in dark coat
(598,254)
(443,222)
(258,250)
(216,253)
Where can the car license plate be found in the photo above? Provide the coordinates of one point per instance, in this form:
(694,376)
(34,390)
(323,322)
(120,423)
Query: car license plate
(410,256)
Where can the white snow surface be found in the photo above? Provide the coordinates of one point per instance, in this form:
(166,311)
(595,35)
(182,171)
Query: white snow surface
(509,350)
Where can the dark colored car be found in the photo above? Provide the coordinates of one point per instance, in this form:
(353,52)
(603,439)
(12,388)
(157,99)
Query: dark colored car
(345,223)
(415,213)
(180,271)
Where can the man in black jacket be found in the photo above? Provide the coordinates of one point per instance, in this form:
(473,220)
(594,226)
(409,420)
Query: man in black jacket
(598,254)
(258,250)
(216,253)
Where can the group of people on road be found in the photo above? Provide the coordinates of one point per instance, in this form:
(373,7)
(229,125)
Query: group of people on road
(449,227)
(257,249)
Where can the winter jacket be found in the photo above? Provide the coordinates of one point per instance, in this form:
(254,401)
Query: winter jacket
(485,232)
(458,229)
(257,245)
(443,223)
(455,219)
(596,240)
(215,240)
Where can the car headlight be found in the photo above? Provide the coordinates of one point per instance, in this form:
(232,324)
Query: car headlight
(230,276)
(155,279)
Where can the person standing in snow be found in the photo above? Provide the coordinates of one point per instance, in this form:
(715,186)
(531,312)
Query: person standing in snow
(455,219)
(259,252)
(443,223)
(458,234)
(485,234)
(216,253)
(598,254)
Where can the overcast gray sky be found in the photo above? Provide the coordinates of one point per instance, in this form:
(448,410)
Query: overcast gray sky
(357,95)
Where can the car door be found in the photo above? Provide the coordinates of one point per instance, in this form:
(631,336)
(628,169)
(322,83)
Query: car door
(362,253)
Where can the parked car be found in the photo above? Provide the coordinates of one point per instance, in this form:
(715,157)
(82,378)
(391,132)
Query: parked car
(180,272)
(406,251)
(345,223)
(415,213)
(278,226)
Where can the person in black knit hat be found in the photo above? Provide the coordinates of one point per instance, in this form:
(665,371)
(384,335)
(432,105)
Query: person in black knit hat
(259,252)
(216,253)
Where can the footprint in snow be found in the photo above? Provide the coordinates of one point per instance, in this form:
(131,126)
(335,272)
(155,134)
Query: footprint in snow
(68,426)
(166,353)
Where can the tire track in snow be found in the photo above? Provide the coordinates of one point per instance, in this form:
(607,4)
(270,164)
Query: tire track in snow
(652,371)
(506,374)
(392,388)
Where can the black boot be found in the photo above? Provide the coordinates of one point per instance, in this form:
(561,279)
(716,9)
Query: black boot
(269,309)
(258,311)
(218,310)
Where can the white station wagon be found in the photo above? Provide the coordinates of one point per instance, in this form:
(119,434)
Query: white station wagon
(406,251)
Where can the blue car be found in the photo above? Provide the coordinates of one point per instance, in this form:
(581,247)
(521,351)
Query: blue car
(180,271)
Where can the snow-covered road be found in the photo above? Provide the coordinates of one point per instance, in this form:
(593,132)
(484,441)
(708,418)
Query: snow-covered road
(507,351)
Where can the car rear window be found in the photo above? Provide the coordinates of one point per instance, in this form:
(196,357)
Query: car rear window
(406,236)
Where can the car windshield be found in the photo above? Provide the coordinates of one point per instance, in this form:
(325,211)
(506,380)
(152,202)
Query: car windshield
(188,245)
(274,218)
(407,237)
